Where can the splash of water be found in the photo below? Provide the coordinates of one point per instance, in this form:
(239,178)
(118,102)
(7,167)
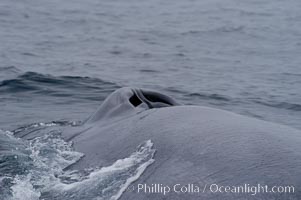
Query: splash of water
(45,177)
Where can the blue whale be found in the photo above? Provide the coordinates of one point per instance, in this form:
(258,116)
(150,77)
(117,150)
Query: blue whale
(201,152)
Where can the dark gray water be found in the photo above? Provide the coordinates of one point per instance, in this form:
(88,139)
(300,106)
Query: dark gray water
(60,59)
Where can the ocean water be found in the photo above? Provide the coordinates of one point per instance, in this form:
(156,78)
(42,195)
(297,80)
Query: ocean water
(60,59)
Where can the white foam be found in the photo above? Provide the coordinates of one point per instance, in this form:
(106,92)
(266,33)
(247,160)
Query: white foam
(47,180)
(132,179)
(23,189)
(111,181)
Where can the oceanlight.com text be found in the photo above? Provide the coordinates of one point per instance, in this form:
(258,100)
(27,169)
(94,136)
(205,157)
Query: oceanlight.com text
(210,188)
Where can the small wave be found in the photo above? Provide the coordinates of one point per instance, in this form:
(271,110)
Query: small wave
(254,13)
(292,74)
(115,52)
(218,30)
(149,71)
(229,29)
(283,105)
(9,69)
(61,86)
(8,72)
(217,97)
(243,12)
(176,90)
(29,54)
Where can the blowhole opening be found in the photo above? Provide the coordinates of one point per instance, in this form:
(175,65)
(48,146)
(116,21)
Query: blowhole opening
(156,97)
(135,101)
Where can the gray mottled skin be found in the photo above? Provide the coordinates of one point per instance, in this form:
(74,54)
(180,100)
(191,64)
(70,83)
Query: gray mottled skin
(194,144)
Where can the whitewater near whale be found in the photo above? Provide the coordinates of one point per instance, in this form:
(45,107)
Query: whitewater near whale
(195,147)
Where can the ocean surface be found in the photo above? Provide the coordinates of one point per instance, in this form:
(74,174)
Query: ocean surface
(60,59)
